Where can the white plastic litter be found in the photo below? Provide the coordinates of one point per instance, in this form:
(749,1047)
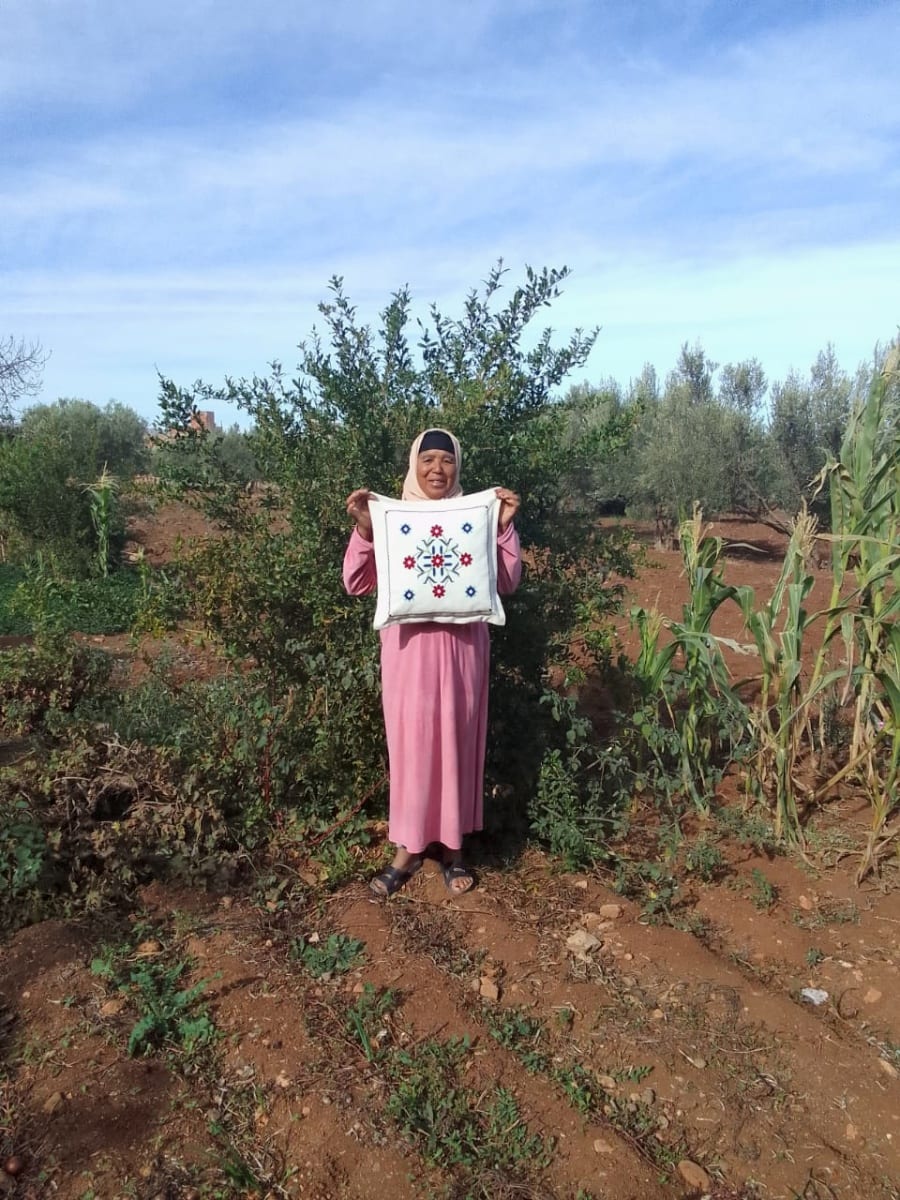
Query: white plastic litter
(814,995)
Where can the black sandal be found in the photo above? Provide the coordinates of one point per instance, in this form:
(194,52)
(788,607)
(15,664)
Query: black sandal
(392,879)
(456,871)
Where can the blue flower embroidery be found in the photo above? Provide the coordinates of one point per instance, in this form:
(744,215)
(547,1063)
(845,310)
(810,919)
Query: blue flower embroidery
(470,591)
(467,528)
(405,528)
(408,594)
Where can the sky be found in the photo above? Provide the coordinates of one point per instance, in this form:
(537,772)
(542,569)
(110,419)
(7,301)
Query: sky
(179,179)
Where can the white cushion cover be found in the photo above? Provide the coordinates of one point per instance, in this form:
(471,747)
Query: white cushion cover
(436,560)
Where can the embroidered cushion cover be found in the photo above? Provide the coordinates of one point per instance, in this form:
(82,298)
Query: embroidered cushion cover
(436,560)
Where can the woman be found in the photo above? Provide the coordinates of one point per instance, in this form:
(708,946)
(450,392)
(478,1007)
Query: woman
(434,681)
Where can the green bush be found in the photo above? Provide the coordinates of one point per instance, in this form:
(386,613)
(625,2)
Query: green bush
(82,827)
(41,684)
(271,590)
(33,597)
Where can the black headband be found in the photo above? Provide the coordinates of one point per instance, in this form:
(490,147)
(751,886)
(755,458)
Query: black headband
(436,439)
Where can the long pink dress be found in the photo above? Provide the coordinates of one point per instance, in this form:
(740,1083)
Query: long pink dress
(434,684)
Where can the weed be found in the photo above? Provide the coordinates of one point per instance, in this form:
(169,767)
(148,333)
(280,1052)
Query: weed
(763,893)
(827,912)
(751,828)
(365,1019)
(704,860)
(649,882)
(451,1127)
(814,956)
(169,1015)
(335,956)
(521,1034)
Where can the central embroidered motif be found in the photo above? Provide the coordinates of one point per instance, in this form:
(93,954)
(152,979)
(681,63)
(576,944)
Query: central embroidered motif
(438,561)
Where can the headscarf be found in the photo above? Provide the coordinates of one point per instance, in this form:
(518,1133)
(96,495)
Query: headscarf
(411,489)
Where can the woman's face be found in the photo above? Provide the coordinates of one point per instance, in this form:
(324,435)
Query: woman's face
(436,473)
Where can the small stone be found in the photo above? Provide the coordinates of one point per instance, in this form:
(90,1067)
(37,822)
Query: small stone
(147,949)
(226,902)
(305,1110)
(146,1171)
(358,988)
(282,1080)
(581,942)
(648,1096)
(52,1103)
(601,1147)
(111,1008)
(489,989)
(889,1069)
(628,957)
(14,1165)
(851,1133)
(607,1083)
(872,996)
(581,883)
(657,1014)
(805,903)
(610,912)
(694,1175)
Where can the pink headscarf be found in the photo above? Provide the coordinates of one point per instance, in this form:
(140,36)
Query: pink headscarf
(411,489)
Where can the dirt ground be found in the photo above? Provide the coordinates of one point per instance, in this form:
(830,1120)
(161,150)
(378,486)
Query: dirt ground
(660,1060)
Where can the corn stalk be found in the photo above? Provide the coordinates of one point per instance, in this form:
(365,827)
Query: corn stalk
(702,705)
(782,720)
(101,495)
(864,492)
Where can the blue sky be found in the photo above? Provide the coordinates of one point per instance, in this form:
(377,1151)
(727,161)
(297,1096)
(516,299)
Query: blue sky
(179,180)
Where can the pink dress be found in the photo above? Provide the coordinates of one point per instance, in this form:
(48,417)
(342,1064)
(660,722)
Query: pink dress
(434,685)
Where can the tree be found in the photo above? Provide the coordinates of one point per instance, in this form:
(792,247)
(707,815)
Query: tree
(113,436)
(21,366)
(700,443)
(807,424)
(742,386)
(58,453)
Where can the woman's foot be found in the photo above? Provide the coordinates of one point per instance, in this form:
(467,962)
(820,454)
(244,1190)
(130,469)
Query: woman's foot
(458,878)
(392,878)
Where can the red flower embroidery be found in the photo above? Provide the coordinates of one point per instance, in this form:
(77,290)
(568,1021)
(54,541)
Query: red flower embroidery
(437,560)
(438,591)
(437,531)
(409,562)
(465,560)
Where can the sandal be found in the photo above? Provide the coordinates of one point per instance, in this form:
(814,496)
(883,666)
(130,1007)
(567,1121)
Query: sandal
(392,879)
(456,872)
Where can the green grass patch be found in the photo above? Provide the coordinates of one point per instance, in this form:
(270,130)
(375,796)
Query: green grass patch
(11,623)
(93,606)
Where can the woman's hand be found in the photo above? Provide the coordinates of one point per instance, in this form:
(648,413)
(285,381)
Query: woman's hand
(509,506)
(358,509)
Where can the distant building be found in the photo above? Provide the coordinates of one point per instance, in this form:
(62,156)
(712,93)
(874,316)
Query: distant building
(204,420)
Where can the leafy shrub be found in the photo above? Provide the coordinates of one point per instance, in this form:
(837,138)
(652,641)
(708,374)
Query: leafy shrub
(23,849)
(11,622)
(112,816)
(41,683)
